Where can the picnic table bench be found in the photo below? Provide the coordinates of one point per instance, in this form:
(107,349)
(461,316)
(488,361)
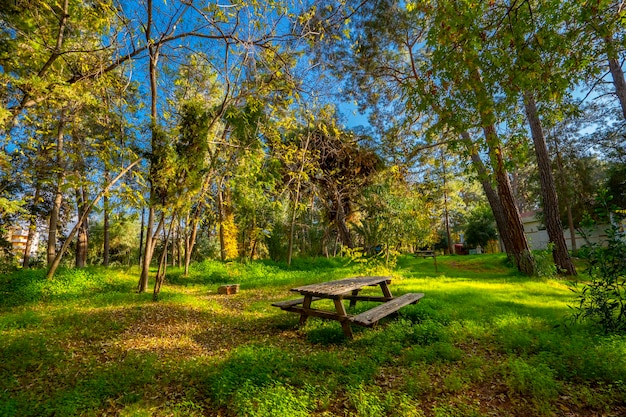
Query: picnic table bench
(424,253)
(348,289)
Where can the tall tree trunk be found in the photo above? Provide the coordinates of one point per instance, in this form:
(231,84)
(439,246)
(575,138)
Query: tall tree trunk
(220,215)
(491,194)
(162,269)
(142,286)
(548,190)
(521,252)
(296,201)
(445,203)
(58,197)
(152,235)
(340,220)
(32,227)
(153,53)
(82,237)
(105,226)
(566,200)
(141,234)
(179,244)
(616,72)
(190,240)
(523,258)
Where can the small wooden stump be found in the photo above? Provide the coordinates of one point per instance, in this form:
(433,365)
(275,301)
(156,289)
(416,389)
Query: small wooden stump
(228,289)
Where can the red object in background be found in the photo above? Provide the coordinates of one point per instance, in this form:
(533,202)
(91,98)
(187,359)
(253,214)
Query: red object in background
(459,249)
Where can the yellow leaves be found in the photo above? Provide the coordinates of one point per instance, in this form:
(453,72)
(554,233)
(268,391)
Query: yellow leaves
(4,116)
(230,233)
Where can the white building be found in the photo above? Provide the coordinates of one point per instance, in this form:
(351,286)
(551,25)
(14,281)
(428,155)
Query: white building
(537,234)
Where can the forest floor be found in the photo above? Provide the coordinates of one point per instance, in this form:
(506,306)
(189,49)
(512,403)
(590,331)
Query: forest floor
(484,341)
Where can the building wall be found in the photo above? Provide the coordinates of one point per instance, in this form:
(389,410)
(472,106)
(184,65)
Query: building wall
(18,237)
(538,237)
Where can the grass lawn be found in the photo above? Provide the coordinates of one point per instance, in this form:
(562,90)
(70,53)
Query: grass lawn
(484,341)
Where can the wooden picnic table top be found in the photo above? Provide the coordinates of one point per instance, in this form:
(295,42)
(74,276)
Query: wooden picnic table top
(343,286)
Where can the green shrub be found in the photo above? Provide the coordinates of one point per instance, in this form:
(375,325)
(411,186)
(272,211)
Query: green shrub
(582,357)
(546,268)
(603,299)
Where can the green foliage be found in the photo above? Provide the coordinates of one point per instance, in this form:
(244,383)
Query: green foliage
(366,401)
(545,262)
(535,381)
(250,366)
(124,233)
(324,332)
(603,299)
(271,400)
(480,227)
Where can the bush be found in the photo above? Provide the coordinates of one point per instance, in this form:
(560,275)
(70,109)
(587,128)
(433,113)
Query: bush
(603,299)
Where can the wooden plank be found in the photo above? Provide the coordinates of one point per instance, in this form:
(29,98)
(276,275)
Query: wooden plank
(335,289)
(380,299)
(329,315)
(290,303)
(371,317)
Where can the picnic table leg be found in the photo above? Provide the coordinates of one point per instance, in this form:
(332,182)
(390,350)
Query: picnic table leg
(353,301)
(305,306)
(341,311)
(386,291)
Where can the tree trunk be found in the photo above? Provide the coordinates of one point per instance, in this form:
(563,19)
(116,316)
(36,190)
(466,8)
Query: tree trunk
(523,258)
(151,240)
(340,218)
(162,269)
(82,238)
(220,215)
(491,194)
(178,245)
(519,245)
(292,226)
(58,198)
(445,204)
(548,190)
(141,234)
(142,286)
(105,226)
(566,201)
(190,241)
(32,227)
(616,72)
(153,53)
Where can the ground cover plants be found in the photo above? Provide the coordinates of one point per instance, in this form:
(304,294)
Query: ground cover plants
(484,341)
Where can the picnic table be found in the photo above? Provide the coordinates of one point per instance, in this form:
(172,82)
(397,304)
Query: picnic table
(348,289)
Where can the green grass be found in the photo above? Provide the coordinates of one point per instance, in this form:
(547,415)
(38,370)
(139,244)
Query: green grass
(483,341)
